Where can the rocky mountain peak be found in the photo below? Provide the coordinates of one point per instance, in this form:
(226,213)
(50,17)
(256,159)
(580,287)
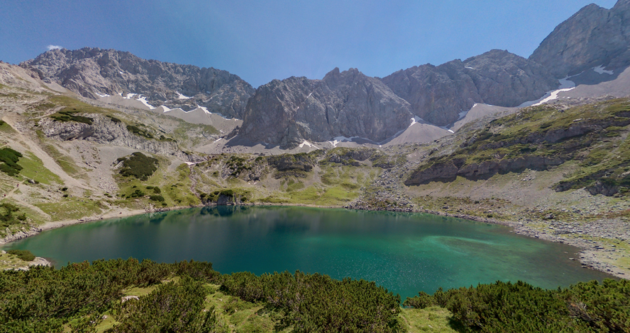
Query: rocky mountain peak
(498,77)
(622,4)
(593,37)
(347,104)
(94,72)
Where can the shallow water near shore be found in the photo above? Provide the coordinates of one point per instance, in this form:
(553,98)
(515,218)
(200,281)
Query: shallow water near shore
(403,252)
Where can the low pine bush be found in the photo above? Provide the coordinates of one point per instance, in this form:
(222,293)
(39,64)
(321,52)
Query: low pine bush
(9,159)
(138,165)
(520,307)
(25,255)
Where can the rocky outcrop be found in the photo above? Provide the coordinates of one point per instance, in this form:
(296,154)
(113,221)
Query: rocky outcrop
(104,130)
(292,165)
(347,104)
(438,94)
(224,198)
(593,37)
(91,72)
(448,171)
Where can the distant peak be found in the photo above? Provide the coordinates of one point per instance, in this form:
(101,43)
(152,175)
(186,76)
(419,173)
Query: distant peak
(622,4)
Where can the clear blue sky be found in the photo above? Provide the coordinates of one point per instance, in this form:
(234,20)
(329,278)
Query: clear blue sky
(265,40)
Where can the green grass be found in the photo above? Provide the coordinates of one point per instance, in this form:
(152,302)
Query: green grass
(432,319)
(535,131)
(6,128)
(65,162)
(174,187)
(68,116)
(238,315)
(71,104)
(34,169)
(9,261)
(331,196)
(71,208)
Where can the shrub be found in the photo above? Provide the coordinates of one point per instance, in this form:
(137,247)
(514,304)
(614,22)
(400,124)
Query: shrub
(138,165)
(9,159)
(170,308)
(25,255)
(158,198)
(9,216)
(156,190)
(43,299)
(68,115)
(137,194)
(114,119)
(520,307)
(138,131)
(315,302)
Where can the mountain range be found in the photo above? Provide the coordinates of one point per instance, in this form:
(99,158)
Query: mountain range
(350,105)
(541,143)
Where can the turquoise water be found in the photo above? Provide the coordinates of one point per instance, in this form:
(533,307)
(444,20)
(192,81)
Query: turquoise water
(403,252)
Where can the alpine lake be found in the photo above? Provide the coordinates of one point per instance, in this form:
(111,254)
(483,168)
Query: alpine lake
(404,252)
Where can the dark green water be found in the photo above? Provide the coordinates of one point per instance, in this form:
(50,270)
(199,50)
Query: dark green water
(406,253)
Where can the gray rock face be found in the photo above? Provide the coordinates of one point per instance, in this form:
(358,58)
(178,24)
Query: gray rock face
(592,37)
(93,71)
(449,171)
(345,104)
(104,131)
(439,94)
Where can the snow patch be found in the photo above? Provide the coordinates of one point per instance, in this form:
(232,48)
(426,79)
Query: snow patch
(306,143)
(143,100)
(553,96)
(446,128)
(190,163)
(468,67)
(165,108)
(601,70)
(182,96)
(101,95)
(129,95)
(415,120)
(205,109)
(339,139)
(565,85)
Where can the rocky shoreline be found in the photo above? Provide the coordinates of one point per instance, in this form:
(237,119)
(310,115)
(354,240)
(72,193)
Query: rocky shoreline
(588,256)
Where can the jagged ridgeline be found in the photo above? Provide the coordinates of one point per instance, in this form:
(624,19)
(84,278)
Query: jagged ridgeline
(594,137)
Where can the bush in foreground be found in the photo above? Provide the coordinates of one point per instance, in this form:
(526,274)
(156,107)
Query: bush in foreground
(520,307)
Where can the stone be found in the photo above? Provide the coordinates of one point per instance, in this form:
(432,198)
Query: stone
(91,72)
(593,37)
(342,104)
(438,94)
